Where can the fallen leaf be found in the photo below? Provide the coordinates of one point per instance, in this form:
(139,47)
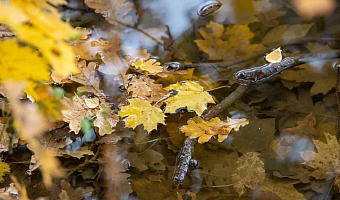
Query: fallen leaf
(249,173)
(48,142)
(79,153)
(145,88)
(282,188)
(204,130)
(88,77)
(282,33)
(190,95)
(115,12)
(89,48)
(146,160)
(75,112)
(304,127)
(321,73)
(105,120)
(151,66)
(92,102)
(325,163)
(256,136)
(141,112)
(67,192)
(226,43)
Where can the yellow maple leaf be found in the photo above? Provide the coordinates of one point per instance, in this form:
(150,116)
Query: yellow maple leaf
(141,112)
(190,95)
(204,130)
(150,66)
(38,23)
(4,169)
(235,45)
(21,63)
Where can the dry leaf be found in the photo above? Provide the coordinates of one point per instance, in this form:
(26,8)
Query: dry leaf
(141,112)
(78,153)
(151,66)
(145,88)
(282,188)
(275,56)
(89,78)
(190,95)
(325,163)
(121,11)
(105,120)
(304,127)
(321,73)
(67,192)
(75,112)
(92,102)
(249,172)
(206,129)
(89,49)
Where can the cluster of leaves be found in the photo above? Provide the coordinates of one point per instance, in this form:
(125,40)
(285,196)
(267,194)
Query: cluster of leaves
(55,97)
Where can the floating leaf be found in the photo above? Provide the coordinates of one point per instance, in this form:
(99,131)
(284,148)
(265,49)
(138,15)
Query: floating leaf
(206,129)
(249,172)
(190,96)
(141,112)
(151,66)
(275,56)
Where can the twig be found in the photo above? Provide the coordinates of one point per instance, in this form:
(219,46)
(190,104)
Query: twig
(234,96)
(84,163)
(337,98)
(260,53)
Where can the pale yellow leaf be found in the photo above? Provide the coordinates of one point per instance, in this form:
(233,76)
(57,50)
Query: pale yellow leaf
(141,112)
(190,95)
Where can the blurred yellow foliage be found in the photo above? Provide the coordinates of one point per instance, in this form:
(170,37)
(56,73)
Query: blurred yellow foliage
(38,23)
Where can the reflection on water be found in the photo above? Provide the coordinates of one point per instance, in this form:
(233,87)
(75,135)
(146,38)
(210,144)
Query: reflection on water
(292,115)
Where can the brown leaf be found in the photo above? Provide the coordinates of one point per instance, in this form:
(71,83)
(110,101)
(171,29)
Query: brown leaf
(249,172)
(304,127)
(325,163)
(67,192)
(284,189)
(105,120)
(79,153)
(145,88)
(122,11)
(89,78)
(75,112)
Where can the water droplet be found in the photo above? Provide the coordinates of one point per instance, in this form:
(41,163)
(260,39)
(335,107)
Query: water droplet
(105,13)
(193,163)
(126,164)
(122,88)
(208,8)
(94,43)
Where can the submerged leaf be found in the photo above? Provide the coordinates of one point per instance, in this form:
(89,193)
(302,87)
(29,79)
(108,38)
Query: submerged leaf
(249,172)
